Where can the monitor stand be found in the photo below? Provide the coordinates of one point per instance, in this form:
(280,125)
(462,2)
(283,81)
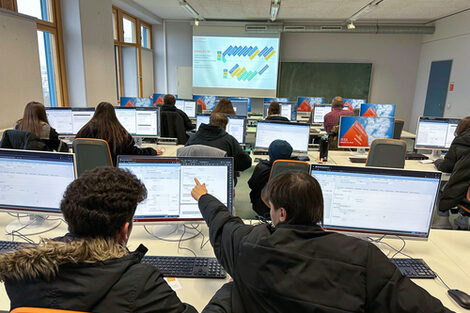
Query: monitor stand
(32,224)
(173,231)
(436,154)
(360,152)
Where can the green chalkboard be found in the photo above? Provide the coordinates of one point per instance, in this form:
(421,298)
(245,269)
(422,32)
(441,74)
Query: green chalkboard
(306,79)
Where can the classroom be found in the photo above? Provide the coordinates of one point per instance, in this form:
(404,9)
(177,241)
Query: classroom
(224,156)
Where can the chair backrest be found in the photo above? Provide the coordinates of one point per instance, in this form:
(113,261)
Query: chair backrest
(283,166)
(23,140)
(41,310)
(398,128)
(387,153)
(172,126)
(91,153)
(200,151)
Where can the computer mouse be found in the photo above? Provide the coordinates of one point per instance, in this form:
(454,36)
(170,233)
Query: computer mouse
(460,297)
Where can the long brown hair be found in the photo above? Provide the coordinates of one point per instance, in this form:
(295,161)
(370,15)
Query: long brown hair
(107,125)
(224,106)
(463,125)
(33,117)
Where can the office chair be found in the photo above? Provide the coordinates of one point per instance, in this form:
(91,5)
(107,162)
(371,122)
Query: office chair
(23,140)
(398,128)
(283,166)
(91,153)
(41,310)
(172,126)
(387,153)
(200,151)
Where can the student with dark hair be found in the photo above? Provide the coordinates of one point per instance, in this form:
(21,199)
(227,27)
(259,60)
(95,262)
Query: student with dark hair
(90,269)
(332,118)
(105,125)
(35,122)
(169,102)
(214,135)
(296,266)
(224,106)
(274,113)
(278,150)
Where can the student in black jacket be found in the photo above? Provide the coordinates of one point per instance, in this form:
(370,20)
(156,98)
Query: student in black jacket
(214,135)
(169,102)
(459,148)
(296,266)
(90,269)
(105,125)
(278,150)
(274,113)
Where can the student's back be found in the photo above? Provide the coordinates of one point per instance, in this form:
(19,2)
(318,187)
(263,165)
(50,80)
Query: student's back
(459,148)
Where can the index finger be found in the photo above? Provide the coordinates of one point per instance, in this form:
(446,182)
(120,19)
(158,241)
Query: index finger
(197,181)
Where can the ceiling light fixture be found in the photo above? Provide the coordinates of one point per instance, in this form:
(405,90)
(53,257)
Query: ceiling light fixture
(351,25)
(275,5)
(196,22)
(190,10)
(368,8)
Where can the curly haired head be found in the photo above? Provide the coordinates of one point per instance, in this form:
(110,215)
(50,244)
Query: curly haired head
(101,201)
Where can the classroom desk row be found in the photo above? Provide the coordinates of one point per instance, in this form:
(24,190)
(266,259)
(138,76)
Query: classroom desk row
(445,252)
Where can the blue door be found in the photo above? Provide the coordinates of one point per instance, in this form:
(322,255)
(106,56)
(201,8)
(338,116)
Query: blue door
(437,88)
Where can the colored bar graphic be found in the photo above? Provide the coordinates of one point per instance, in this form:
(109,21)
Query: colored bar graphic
(253,51)
(270,55)
(268,51)
(241,51)
(247,51)
(263,69)
(233,69)
(235,72)
(233,51)
(228,50)
(243,75)
(248,74)
(252,76)
(241,72)
(263,51)
(254,54)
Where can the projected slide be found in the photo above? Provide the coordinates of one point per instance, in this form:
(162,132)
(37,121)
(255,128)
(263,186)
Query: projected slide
(360,131)
(306,104)
(135,102)
(235,62)
(378,110)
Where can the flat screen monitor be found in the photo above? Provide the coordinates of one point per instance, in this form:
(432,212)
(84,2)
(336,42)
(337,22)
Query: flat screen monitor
(320,111)
(240,106)
(377,200)
(81,116)
(306,104)
(169,181)
(236,125)
(297,134)
(359,132)
(288,110)
(136,102)
(34,181)
(435,132)
(351,104)
(377,110)
(187,106)
(61,120)
(269,100)
(127,117)
(147,122)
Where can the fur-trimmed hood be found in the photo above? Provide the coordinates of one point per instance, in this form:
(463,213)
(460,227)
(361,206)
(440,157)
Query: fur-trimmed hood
(43,260)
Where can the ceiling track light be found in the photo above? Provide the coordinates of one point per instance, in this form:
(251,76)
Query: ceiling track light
(275,5)
(190,10)
(351,25)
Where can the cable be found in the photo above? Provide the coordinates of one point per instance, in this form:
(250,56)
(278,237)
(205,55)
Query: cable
(169,240)
(183,248)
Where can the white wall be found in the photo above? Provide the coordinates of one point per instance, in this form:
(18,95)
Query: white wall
(450,42)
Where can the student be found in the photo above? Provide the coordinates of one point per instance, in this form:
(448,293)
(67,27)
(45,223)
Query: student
(35,121)
(274,113)
(169,102)
(332,118)
(90,269)
(214,135)
(278,150)
(296,266)
(224,106)
(105,125)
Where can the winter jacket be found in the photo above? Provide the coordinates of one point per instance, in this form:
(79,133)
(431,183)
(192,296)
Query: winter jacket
(459,148)
(50,137)
(301,268)
(188,125)
(455,191)
(257,181)
(89,275)
(173,126)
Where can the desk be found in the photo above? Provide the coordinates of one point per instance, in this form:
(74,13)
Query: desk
(199,291)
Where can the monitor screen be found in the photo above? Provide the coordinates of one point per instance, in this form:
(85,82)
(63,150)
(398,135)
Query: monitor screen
(376,200)
(81,116)
(351,104)
(297,134)
(169,181)
(202,119)
(34,181)
(236,125)
(135,102)
(320,111)
(147,122)
(306,104)
(435,132)
(269,100)
(357,131)
(240,106)
(187,106)
(288,110)
(60,119)
(377,110)
(127,117)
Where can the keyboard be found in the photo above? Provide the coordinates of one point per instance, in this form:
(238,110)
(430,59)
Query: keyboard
(358,159)
(6,246)
(414,268)
(416,156)
(260,152)
(188,267)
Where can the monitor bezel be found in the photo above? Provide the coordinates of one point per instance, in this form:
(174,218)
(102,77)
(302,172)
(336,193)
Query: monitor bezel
(360,147)
(361,113)
(430,118)
(375,170)
(169,158)
(39,211)
(282,123)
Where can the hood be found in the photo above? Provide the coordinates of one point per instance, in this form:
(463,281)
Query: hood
(167,107)
(210,132)
(43,261)
(463,139)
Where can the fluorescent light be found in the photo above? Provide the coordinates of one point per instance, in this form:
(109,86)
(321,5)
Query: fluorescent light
(190,10)
(275,5)
(351,25)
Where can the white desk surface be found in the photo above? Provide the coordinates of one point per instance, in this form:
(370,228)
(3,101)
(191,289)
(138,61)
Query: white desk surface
(199,291)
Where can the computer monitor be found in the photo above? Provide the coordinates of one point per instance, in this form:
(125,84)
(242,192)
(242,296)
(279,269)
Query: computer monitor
(288,110)
(127,117)
(240,106)
(377,110)
(306,104)
(435,132)
(136,102)
(81,116)
(319,112)
(147,122)
(236,125)
(169,181)
(34,181)
(187,106)
(351,104)
(297,134)
(61,120)
(269,100)
(377,200)
(359,132)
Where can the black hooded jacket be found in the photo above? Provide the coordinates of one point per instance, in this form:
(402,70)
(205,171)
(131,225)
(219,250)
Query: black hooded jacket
(188,125)
(459,148)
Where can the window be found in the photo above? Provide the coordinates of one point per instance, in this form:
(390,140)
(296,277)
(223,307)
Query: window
(115,27)
(40,9)
(128,27)
(144,37)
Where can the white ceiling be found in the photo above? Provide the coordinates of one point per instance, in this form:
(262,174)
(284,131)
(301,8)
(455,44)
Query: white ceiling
(414,10)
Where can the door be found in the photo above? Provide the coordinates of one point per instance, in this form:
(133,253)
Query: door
(437,88)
